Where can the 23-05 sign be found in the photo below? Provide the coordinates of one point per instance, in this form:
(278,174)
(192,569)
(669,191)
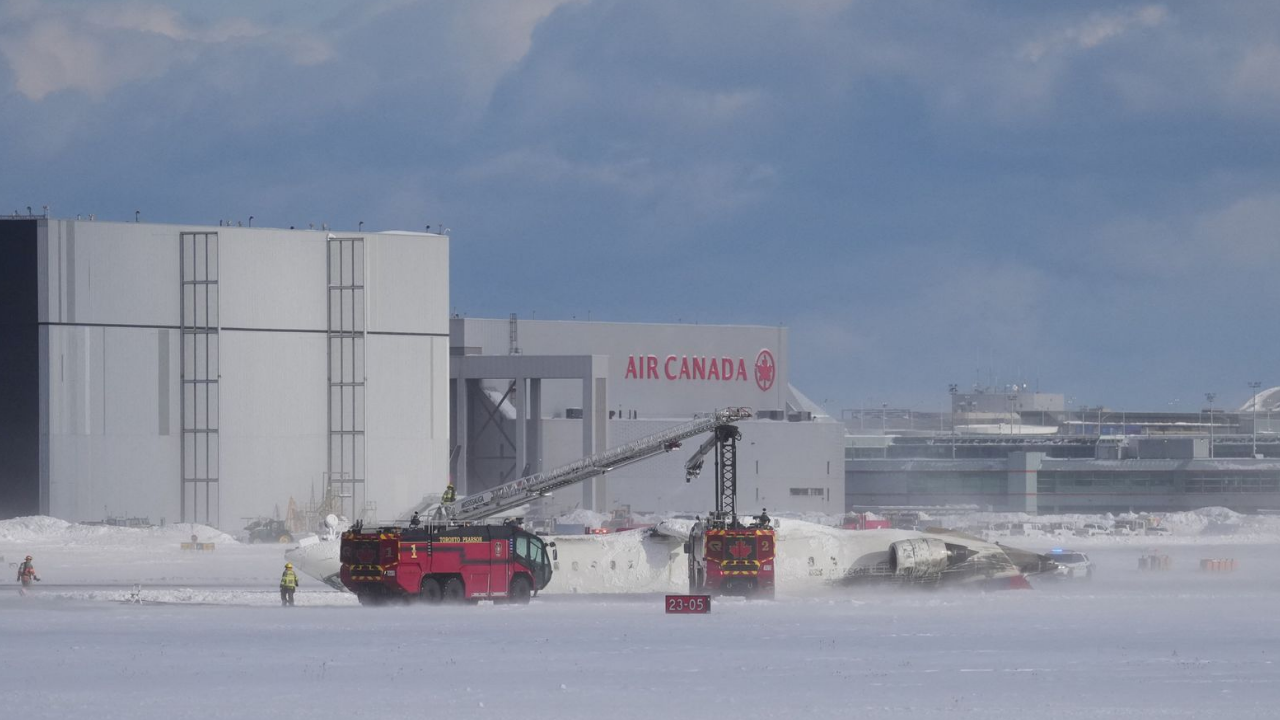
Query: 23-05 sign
(688,604)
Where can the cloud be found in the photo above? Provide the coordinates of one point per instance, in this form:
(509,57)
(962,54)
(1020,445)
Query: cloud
(1223,244)
(98,48)
(1254,83)
(1093,31)
(683,192)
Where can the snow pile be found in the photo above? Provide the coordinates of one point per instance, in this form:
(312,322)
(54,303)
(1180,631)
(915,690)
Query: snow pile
(197,596)
(74,555)
(42,530)
(582,516)
(1189,527)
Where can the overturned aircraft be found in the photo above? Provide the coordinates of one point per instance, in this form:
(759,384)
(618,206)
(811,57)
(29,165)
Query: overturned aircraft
(811,557)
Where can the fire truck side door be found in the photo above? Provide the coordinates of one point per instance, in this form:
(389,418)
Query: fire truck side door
(500,572)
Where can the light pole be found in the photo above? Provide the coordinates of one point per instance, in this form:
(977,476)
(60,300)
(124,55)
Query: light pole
(884,424)
(1210,397)
(952,390)
(1254,386)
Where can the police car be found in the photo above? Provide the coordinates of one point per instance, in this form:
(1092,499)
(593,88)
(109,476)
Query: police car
(1069,564)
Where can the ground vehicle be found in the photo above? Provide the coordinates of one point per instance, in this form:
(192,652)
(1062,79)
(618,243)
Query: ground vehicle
(268,530)
(1128,527)
(727,557)
(1092,529)
(454,557)
(444,564)
(621,520)
(1159,530)
(1069,564)
(860,521)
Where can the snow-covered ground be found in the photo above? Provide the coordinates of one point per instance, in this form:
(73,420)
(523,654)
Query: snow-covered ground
(210,641)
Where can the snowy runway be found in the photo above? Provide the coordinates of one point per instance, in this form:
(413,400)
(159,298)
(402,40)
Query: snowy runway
(1128,644)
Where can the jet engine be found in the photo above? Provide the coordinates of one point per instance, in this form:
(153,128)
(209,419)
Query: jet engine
(925,556)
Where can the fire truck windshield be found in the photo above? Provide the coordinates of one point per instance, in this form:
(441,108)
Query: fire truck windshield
(533,553)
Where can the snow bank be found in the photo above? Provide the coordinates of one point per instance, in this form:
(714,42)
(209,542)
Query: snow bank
(42,530)
(582,516)
(1205,525)
(196,596)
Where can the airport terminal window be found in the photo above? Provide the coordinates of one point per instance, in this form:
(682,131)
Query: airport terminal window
(966,484)
(1104,481)
(1232,484)
(808,491)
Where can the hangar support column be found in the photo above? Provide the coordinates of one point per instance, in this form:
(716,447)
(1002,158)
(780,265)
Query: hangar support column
(1024,480)
(533,437)
(519,397)
(595,437)
(461,428)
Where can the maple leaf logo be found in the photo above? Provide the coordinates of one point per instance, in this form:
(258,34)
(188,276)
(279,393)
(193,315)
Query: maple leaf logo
(739,550)
(765,369)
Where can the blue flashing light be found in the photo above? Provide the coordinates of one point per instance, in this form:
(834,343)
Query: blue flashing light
(1057,550)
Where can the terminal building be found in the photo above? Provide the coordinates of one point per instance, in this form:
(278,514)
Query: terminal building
(1004,452)
(531,395)
(218,374)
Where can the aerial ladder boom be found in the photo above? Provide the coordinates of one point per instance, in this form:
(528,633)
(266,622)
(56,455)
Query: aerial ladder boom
(518,492)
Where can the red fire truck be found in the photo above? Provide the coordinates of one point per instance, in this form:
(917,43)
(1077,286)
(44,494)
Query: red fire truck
(444,564)
(732,561)
(727,557)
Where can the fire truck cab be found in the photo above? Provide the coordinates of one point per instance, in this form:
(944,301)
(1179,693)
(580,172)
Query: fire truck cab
(444,564)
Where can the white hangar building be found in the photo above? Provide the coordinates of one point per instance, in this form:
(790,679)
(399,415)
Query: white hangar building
(214,374)
(539,394)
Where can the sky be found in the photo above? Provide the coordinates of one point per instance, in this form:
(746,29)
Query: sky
(1083,197)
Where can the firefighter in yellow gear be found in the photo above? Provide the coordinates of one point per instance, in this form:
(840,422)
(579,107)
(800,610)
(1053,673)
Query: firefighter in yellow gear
(449,494)
(288,583)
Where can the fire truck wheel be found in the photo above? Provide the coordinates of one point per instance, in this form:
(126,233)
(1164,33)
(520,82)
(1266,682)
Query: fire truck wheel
(430,592)
(520,590)
(454,591)
(284,539)
(369,599)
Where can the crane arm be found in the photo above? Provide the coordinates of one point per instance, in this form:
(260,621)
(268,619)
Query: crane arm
(518,492)
(693,467)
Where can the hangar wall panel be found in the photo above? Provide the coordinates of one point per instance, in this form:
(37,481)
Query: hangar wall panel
(113,440)
(408,283)
(272,421)
(111,273)
(406,422)
(272,279)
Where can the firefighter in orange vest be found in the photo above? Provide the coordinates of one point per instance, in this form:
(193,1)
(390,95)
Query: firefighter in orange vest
(27,573)
(288,583)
